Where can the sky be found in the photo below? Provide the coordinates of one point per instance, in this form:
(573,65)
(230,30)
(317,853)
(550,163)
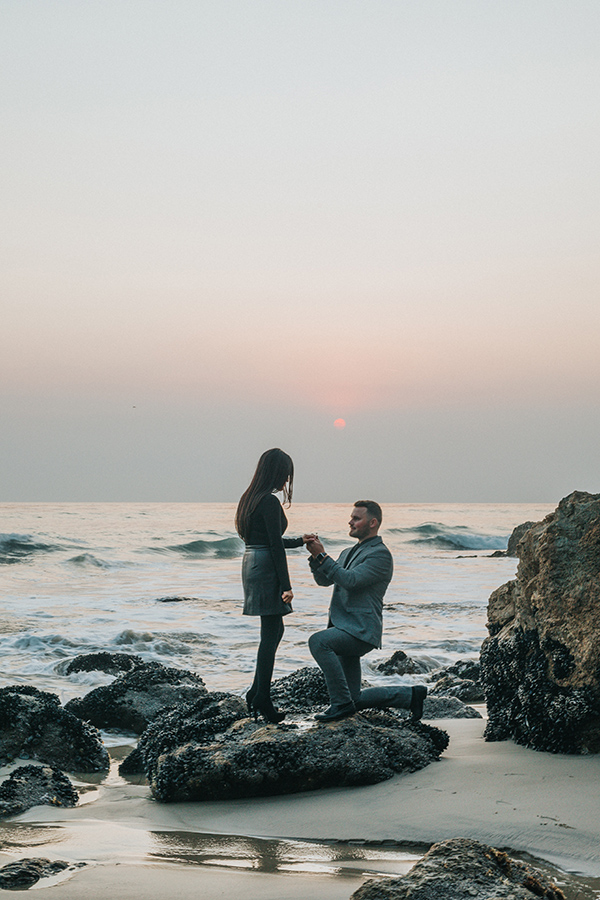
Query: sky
(229,223)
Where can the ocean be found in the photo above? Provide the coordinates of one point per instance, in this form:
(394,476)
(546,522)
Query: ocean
(162,580)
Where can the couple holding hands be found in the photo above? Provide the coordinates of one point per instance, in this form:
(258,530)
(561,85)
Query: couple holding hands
(360,577)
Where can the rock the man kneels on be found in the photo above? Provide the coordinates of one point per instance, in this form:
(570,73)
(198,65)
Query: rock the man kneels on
(360,578)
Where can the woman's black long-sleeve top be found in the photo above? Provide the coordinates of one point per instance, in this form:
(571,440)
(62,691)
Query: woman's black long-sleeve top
(267,525)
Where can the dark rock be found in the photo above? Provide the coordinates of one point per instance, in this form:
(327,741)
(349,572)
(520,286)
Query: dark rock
(447,708)
(250,760)
(497,554)
(462,688)
(33,725)
(541,663)
(301,691)
(401,664)
(210,715)
(517,534)
(30,786)
(462,680)
(463,668)
(134,699)
(462,869)
(133,764)
(175,599)
(23,873)
(111,663)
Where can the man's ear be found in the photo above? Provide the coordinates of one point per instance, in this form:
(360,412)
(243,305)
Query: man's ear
(374,523)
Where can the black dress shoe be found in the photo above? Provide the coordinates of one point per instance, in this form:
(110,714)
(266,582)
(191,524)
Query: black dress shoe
(419,692)
(336,712)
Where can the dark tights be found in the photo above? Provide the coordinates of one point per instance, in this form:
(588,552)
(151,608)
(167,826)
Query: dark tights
(271,632)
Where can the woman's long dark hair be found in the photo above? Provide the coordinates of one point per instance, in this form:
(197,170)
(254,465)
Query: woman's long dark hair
(274,470)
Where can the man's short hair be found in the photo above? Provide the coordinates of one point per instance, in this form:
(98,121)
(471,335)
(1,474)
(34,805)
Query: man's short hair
(373,509)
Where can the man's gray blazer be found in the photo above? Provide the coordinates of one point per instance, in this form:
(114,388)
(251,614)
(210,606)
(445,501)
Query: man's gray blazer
(357,600)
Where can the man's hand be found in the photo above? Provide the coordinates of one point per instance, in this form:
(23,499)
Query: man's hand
(315,547)
(309,537)
(287,596)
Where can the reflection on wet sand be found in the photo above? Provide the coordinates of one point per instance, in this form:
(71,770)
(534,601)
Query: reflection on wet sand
(92,843)
(278,856)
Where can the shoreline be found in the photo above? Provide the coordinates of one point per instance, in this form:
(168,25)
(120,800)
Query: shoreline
(515,799)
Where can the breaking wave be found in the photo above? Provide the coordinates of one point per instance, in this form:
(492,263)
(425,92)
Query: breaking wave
(451,537)
(16,548)
(89,561)
(223,548)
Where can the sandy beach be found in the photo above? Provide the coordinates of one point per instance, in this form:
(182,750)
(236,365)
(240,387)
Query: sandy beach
(320,844)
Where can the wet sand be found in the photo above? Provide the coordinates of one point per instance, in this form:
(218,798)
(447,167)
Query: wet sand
(541,804)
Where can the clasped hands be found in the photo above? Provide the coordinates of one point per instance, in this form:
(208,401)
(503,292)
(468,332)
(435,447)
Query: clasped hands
(313,544)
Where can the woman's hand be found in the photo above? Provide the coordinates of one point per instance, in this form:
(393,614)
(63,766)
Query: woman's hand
(309,537)
(287,596)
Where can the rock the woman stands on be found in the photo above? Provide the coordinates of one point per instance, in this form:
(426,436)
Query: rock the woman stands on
(261,522)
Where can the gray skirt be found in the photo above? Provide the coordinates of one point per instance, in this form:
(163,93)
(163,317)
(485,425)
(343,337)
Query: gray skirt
(262,590)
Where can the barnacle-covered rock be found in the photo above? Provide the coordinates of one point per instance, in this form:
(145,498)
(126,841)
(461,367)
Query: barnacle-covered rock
(301,691)
(103,661)
(211,714)
(250,759)
(136,697)
(33,725)
(541,663)
(29,786)
(461,680)
(400,663)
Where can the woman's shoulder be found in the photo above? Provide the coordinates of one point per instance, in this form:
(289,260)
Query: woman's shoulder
(269,503)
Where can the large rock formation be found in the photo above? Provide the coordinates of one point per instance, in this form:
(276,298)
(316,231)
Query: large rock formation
(189,754)
(541,663)
(29,786)
(33,725)
(462,869)
(137,696)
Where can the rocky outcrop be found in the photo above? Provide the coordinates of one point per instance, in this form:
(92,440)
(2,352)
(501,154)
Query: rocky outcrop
(460,680)
(21,874)
(136,697)
(302,691)
(251,759)
(541,663)
(436,707)
(462,869)
(31,786)
(401,664)
(514,539)
(111,663)
(33,725)
(462,688)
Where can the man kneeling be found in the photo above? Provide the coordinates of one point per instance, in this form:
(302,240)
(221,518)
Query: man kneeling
(360,577)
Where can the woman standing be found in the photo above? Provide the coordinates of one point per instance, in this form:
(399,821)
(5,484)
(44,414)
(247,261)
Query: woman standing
(260,522)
